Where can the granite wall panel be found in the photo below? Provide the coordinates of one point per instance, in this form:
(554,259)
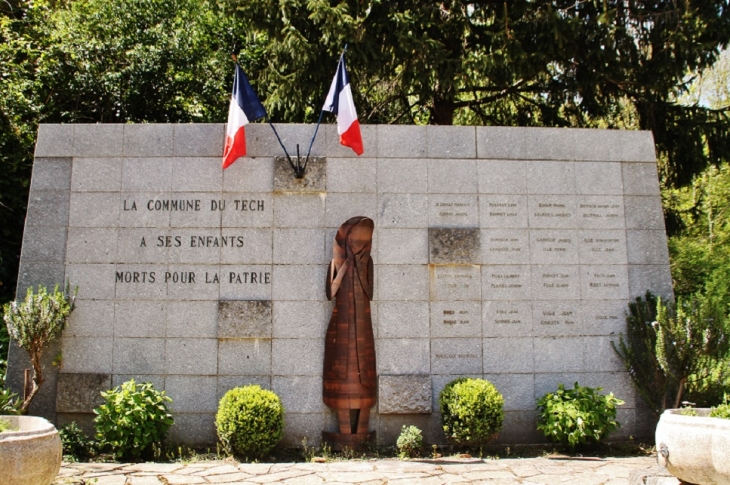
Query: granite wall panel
(499,252)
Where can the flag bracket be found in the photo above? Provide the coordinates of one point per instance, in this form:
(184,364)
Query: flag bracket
(299,169)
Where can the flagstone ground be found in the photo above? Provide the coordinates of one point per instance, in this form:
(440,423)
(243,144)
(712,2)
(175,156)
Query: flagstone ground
(524,471)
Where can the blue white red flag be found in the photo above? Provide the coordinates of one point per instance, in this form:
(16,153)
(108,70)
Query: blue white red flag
(339,101)
(245,107)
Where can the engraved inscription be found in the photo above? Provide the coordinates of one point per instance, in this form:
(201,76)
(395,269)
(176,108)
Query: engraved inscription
(602,247)
(455,282)
(597,210)
(506,280)
(503,211)
(556,282)
(506,318)
(600,212)
(554,246)
(193,205)
(556,317)
(456,319)
(453,211)
(552,212)
(605,281)
(192,277)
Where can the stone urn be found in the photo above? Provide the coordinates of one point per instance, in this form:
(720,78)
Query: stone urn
(30,451)
(695,449)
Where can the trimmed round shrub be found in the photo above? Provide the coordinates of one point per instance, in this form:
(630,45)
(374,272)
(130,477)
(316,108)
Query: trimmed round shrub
(472,411)
(133,418)
(250,421)
(578,416)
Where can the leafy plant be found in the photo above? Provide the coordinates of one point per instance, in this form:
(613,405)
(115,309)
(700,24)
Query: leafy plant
(688,409)
(250,421)
(692,337)
(9,402)
(637,349)
(77,446)
(133,419)
(35,323)
(673,350)
(410,441)
(721,411)
(577,416)
(471,410)
(4,425)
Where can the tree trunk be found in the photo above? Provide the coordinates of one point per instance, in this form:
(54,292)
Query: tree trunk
(443,111)
(35,359)
(680,391)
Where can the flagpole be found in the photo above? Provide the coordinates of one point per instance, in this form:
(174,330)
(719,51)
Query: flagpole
(321,113)
(291,164)
(235,59)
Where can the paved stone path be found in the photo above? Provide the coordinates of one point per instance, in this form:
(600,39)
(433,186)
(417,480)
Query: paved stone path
(526,471)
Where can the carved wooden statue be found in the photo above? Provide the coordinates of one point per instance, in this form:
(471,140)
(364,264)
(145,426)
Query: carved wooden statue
(349,380)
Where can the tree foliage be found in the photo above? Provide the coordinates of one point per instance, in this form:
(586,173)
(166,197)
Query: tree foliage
(523,62)
(584,63)
(700,248)
(90,61)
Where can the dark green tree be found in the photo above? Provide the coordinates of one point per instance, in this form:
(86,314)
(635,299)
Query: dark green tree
(22,39)
(522,62)
(91,61)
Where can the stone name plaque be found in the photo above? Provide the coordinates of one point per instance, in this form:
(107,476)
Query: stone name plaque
(503,253)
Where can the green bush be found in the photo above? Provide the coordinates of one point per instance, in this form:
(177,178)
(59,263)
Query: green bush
(133,418)
(409,442)
(578,416)
(471,410)
(679,351)
(9,402)
(77,446)
(36,322)
(250,421)
(721,411)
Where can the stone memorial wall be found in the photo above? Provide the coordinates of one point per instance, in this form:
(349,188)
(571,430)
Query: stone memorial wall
(503,253)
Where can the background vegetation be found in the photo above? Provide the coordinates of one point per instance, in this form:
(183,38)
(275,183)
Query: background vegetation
(634,64)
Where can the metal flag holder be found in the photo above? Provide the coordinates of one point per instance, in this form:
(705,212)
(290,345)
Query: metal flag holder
(298,167)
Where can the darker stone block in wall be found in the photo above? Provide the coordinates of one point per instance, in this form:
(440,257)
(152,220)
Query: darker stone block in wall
(44,244)
(48,208)
(34,273)
(244,319)
(453,245)
(51,174)
(314,180)
(81,393)
(405,394)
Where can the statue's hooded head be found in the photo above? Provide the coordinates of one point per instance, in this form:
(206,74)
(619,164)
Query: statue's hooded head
(357,233)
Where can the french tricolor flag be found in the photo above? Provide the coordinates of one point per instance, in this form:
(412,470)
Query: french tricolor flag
(245,107)
(339,101)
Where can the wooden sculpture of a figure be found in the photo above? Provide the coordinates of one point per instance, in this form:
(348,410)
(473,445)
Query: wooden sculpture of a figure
(349,351)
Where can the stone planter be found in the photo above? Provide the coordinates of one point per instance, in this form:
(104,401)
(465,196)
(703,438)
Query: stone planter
(695,449)
(32,454)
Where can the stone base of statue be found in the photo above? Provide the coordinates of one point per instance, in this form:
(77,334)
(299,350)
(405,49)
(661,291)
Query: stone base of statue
(351,441)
